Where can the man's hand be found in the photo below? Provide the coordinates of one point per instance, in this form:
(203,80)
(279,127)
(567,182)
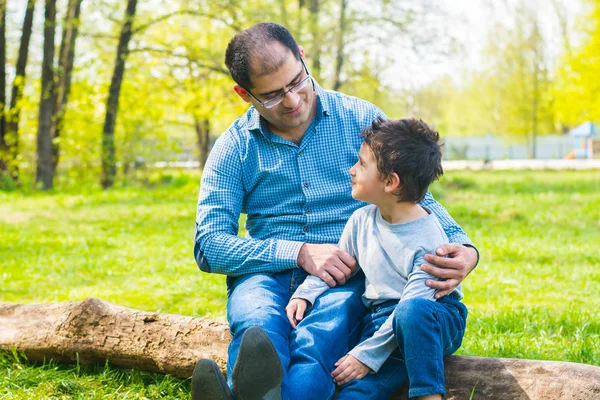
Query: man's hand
(326,261)
(349,368)
(295,310)
(455,269)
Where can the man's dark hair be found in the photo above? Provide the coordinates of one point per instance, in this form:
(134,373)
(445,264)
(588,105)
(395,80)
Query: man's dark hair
(250,52)
(411,149)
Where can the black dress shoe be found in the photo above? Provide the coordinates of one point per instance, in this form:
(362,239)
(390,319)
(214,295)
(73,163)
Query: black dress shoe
(257,374)
(208,382)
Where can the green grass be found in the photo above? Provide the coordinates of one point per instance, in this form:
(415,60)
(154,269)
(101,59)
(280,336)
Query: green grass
(534,294)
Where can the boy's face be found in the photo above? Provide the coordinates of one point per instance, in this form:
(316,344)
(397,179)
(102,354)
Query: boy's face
(367,184)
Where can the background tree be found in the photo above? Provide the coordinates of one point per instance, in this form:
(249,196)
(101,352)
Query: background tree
(45,165)
(9,142)
(109,166)
(177,97)
(64,72)
(2,72)
(578,77)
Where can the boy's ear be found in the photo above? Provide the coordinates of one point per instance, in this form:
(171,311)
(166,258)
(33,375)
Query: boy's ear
(240,91)
(392,182)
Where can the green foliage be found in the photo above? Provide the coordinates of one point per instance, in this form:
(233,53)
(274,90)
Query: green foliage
(578,81)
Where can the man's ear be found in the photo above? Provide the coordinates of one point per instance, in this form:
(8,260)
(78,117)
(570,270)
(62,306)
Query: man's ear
(241,92)
(392,182)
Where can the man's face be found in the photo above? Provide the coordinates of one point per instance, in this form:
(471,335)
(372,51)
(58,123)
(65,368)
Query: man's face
(297,108)
(367,184)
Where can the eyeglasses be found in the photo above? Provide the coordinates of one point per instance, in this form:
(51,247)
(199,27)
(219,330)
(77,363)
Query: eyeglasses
(275,101)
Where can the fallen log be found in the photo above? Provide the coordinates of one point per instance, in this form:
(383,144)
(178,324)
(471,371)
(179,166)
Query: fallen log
(95,331)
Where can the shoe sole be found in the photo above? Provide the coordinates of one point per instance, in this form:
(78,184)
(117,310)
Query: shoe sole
(208,382)
(257,374)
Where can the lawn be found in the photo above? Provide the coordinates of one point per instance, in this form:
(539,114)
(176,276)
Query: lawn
(535,293)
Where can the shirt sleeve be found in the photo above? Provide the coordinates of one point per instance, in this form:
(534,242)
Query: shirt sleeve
(374,351)
(217,248)
(454,232)
(415,286)
(313,286)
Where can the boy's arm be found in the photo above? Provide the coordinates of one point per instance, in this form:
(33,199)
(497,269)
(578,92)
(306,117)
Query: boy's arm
(374,351)
(313,286)
(416,286)
(463,255)
(310,289)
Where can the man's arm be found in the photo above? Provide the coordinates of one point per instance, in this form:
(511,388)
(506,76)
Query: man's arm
(217,248)
(463,254)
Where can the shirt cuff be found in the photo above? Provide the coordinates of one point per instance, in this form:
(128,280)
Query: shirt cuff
(286,254)
(465,241)
(477,251)
(306,294)
(373,364)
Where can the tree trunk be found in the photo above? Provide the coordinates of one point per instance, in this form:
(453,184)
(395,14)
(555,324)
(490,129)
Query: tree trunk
(109,167)
(2,77)
(203,135)
(13,114)
(45,170)
(315,31)
(65,69)
(339,58)
(96,331)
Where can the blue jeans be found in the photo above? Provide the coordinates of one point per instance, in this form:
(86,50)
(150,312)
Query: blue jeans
(308,353)
(426,331)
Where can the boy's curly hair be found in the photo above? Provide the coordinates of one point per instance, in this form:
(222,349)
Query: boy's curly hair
(411,149)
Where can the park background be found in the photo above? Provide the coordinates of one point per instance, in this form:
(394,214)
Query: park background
(100,96)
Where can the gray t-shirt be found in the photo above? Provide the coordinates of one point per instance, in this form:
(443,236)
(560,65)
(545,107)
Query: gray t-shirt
(390,256)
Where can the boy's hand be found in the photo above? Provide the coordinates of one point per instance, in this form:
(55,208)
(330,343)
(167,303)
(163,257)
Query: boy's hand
(326,261)
(295,310)
(349,368)
(454,269)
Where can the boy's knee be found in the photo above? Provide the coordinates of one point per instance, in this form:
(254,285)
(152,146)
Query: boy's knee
(411,313)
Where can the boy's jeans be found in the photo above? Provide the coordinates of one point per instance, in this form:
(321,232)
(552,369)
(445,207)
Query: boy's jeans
(426,331)
(309,352)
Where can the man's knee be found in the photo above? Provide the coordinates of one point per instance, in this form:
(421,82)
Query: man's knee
(255,300)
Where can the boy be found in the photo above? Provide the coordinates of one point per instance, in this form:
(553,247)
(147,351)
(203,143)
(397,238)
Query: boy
(407,332)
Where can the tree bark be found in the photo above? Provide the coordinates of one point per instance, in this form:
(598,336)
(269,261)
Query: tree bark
(203,135)
(13,114)
(109,166)
(317,41)
(2,75)
(95,331)
(339,57)
(45,170)
(65,69)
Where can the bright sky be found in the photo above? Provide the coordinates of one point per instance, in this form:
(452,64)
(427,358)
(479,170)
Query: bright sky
(478,15)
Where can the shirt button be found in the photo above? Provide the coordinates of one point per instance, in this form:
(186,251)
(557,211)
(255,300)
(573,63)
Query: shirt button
(306,229)
(308,211)
(305,184)
(300,153)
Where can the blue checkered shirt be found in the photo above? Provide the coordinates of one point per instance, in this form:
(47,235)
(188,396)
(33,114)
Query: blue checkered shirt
(292,194)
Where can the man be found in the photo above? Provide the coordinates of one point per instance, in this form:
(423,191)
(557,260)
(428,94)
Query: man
(284,163)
